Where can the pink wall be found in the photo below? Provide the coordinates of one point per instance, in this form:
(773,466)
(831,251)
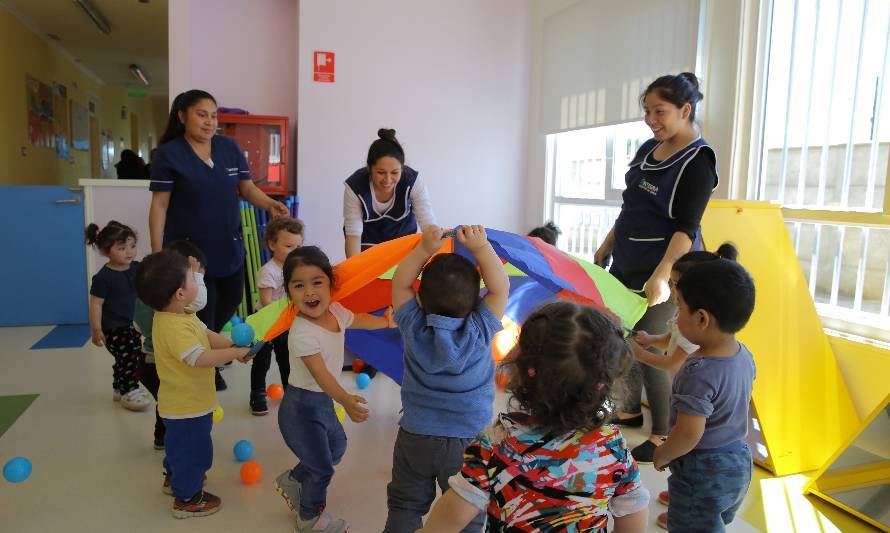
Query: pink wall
(243,53)
(451,77)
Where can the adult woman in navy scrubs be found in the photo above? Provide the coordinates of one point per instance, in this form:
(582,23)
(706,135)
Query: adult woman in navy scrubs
(197,180)
(669,183)
(384,200)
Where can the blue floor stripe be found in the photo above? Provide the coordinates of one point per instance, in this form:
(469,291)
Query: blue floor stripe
(66,336)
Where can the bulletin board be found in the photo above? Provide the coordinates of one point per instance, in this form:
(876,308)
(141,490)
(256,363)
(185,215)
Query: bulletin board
(40,112)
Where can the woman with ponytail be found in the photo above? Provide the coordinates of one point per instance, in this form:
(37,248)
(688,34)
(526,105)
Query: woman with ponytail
(384,200)
(669,183)
(197,180)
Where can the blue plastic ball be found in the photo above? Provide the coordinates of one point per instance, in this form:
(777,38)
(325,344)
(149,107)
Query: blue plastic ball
(242,335)
(362,380)
(235,320)
(17,470)
(243,450)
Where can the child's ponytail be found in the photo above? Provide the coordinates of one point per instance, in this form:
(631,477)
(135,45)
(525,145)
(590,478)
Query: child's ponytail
(728,251)
(113,233)
(91,234)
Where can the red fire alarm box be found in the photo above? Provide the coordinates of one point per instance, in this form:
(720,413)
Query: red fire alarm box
(263,139)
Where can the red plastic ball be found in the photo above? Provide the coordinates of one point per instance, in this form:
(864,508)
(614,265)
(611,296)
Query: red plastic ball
(251,472)
(275,391)
(358,365)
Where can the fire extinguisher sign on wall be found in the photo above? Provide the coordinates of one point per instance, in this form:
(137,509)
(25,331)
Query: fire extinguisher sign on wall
(323,65)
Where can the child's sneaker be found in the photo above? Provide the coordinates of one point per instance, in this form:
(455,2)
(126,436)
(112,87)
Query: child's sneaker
(167,487)
(662,521)
(324,523)
(159,444)
(258,405)
(136,400)
(663,497)
(116,396)
(290,489)
(202,504)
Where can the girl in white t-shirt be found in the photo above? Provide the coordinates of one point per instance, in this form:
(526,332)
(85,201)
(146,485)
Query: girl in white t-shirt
(676,347)
(306,418)
(282,236)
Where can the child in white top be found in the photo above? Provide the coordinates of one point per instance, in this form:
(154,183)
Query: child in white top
(282,236)
(677,347)
(306,417)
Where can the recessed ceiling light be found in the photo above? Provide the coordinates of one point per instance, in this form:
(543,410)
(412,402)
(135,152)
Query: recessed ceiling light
(94,14)
(139,74)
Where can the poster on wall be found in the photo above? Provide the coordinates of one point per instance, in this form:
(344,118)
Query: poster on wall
(80,127)
(60,120)
(323,67)
(40,112)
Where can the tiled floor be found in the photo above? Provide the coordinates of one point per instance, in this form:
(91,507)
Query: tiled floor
(95,469)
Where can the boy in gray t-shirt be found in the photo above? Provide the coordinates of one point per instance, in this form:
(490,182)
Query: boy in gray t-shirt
(709,461)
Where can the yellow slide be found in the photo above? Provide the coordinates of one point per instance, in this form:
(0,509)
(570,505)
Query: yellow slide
(802,408)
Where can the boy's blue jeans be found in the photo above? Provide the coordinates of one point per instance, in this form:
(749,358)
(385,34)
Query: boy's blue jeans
(311,430)
(706,488)
(189,453)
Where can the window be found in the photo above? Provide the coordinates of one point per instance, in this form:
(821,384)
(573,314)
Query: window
(823,150)
(586,171)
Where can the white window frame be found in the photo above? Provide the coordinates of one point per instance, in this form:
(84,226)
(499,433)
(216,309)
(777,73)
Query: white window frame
(836,319)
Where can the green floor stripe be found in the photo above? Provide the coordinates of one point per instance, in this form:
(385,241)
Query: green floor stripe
(12,407)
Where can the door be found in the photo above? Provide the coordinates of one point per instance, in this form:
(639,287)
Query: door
(44,257)
(134,133)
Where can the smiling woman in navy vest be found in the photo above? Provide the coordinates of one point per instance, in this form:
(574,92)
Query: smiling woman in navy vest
(669,183)
(196,180)
(384,200)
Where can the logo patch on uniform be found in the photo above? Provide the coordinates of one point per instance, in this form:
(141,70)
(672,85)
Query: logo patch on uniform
(648,187)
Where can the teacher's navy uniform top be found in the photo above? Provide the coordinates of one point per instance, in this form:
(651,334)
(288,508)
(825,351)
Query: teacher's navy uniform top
(204,202)
(395,222)
(661,198)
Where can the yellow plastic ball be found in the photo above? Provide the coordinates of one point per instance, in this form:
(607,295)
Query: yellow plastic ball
(341,413)
(218,415)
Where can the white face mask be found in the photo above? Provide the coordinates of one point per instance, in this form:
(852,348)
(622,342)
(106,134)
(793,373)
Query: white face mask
(201,299)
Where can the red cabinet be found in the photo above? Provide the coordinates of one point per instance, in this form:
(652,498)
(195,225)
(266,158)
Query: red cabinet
(263,139)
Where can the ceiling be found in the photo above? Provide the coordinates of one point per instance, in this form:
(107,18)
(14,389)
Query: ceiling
(138,36)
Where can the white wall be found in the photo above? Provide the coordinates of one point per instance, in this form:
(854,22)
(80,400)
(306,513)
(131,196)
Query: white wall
(451,77)
(243,53)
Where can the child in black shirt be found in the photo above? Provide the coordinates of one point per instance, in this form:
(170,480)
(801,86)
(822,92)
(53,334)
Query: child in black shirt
(112,301)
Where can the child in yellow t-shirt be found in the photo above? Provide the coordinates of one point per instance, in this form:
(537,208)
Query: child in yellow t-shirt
(186,353)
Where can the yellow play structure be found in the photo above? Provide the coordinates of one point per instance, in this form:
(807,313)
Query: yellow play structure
(857,477)
(802,412)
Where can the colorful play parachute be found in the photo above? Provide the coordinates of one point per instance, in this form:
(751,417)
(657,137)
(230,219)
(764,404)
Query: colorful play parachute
(538,273)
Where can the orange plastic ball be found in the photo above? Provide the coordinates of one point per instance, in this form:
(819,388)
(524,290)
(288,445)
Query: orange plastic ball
(251,472)
(358,365)
(275,391)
